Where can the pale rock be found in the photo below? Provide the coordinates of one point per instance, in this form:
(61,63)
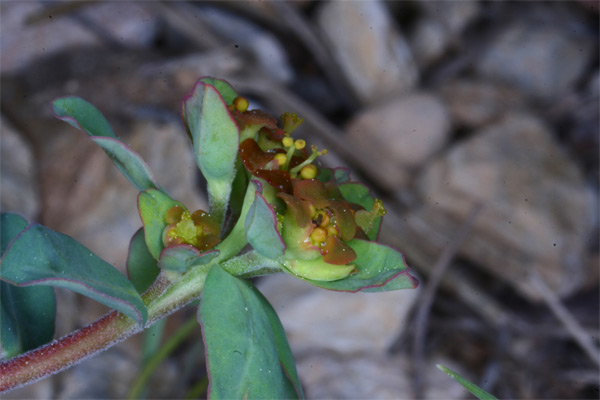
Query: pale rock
(346,323)
(439,28)
(268,52)
(330,376)
(543,60)
(475,103)
(18,174)
(428,40)
(21,43)
(537,213)
(454,15)
(128,23)
(400,135)
(369,49)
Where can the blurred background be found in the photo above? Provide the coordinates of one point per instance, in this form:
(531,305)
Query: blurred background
(476,122)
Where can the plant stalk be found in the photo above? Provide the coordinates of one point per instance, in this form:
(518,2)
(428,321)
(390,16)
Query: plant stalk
(161,299)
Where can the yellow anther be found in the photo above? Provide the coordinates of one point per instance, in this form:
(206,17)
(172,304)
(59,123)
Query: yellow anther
(241,103)
(308,172)
(318,235)
(323,152)
(300,144)
(281,159)
(287,141)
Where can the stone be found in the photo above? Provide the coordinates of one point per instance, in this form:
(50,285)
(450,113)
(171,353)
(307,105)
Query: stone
(439,28)
(475,103)
(543,60)
(401,134)
(429,41)
(371,52)
(537,216)
(18,174)
(318,320)
(454,15)
(327,376)
(129,24)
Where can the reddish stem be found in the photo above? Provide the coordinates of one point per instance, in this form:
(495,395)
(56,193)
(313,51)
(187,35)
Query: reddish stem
(61,354)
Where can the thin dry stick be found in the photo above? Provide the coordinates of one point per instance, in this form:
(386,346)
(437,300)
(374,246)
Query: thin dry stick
(428,296)
(566,318)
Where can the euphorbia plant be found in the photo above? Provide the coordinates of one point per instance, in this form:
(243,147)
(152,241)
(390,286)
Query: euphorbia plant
(264,188)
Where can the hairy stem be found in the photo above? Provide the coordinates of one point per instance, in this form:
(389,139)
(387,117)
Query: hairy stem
(161,299)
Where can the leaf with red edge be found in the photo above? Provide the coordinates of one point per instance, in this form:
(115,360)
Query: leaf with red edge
(27,313)
(380,268)
(225,89)
(261,229)
(40,256)
(246,349)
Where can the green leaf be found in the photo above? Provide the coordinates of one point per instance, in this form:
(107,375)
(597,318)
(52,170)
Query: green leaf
(471,387)
(82,115)
(247,352)
(261,229)
(26,313)
(131,165)
(182,257)
(153,206)
(40,256)
(360,194)
(216,139)
(225,89)
(380,268)
(142,268)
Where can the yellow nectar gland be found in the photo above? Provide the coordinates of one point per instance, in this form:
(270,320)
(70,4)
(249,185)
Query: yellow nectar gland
(241,103)
(281,159)
(318,236)
(300,144)
(287,141)
(308,172)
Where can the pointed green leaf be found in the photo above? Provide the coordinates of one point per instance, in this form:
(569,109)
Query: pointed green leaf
(142,268)
(182,257)
(225,90)
(261,229)
(130,163)
(247,352)
(471,387)
(26,313)
(216,138)
(87,118)
(82,115)
(153,206)
(380,269)
(40,256)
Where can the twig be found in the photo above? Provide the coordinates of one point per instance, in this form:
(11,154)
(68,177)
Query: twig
(428,296)
(566,318)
